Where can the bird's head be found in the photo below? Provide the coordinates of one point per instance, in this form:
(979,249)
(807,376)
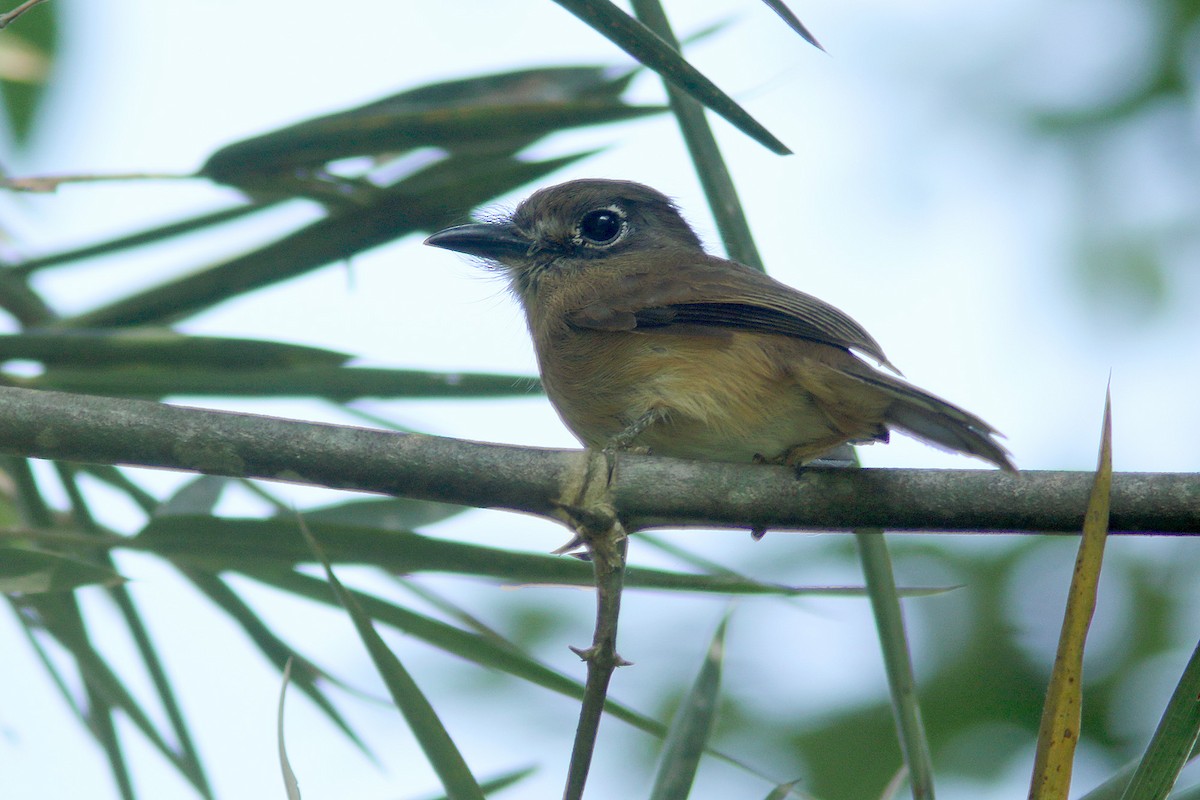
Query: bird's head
(577,225)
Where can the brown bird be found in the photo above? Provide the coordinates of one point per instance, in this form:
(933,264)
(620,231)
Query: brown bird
(645,340)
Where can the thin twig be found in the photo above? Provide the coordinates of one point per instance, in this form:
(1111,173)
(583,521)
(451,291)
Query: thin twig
(587,505)
(608,559)
(10,16)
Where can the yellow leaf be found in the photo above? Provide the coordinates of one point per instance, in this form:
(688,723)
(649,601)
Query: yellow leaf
(1059,730)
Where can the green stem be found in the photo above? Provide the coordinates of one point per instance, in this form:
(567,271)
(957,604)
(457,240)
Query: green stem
(706,155)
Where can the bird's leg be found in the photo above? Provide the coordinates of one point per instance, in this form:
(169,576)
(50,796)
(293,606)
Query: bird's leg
(589,510)
(584,505)
(623,441)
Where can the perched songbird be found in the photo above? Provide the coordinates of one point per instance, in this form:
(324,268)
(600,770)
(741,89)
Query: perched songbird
(645,340)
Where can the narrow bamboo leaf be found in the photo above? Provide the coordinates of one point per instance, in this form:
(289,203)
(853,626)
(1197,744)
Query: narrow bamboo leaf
(28,49)
(642,44)
(897,660)
(436,196)
(108,685)
(502,781)
(788,790)
(1059,731)
(150,346)
(485,650)
(143,237)
(391,514)
(710,166)
(274,649)
(455,611)
(782,791)
(505,111)
(118,480)
(480,129)
(290,784)
(10,514)
(714,568)
(30,621)
(58,615)
(1174,740)
(216,544)
(692,726)
(335,383)
(188,760)
(95,716)
(25,571)
(432,736)
(31,506)
(100,723)
(19,299)
(197,497)
(793,22)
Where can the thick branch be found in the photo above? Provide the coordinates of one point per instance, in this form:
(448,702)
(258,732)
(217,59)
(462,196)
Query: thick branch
(647,491)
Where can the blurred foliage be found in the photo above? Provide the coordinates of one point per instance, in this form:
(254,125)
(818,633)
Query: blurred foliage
(27,53)
(1125,257)
(982,683)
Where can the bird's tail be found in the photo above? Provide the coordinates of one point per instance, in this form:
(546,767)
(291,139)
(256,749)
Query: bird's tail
(934,421)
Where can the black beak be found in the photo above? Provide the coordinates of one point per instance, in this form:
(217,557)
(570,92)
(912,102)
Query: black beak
(485,240)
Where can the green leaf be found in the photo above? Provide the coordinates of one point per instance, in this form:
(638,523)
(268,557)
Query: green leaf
(642,44)
(710,167)
(143,237)
(304,673)
(99,720)
(391,514)
(897,660)
(22,302)
(197,497)
(27,53)
(431,198)
(188,761)
(330,382)
(25,571)
(494,114)
(1174,740)
(290,784)
(59,615)
(692,726)
(214,544)
(422,720)
(790,789)
(488,651)
(143,347)
(502,781)
(793,22)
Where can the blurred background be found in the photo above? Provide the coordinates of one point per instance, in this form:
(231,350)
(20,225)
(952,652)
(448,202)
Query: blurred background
(1006,195)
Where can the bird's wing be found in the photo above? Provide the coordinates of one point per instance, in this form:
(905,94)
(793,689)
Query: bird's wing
(718,294)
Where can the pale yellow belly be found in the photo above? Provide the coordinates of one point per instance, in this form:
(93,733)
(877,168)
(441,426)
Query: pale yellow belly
(735,397)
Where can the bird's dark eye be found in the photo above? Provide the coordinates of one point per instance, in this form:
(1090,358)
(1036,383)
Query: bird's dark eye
(602,226)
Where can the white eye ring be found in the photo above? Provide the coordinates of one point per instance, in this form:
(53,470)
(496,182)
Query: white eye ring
(601,227)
